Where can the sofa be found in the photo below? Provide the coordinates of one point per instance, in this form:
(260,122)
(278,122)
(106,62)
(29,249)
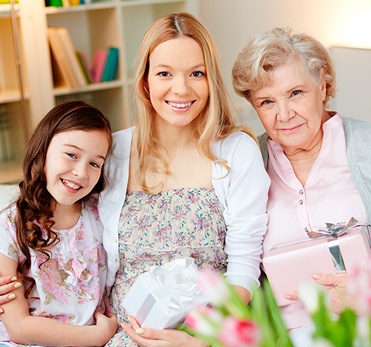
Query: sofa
(8,193)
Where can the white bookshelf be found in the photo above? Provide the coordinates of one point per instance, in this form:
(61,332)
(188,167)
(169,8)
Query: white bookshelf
(97,25)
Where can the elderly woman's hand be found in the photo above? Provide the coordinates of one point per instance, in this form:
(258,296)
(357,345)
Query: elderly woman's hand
(337,288)
(7,285)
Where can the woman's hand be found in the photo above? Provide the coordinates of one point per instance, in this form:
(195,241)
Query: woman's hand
(7,285)
(336,286)
(159,338)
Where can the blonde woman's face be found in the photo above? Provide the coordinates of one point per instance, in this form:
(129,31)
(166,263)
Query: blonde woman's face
(290,106)
(177,81)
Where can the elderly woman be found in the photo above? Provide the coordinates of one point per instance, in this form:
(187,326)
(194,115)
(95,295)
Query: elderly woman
(319,163)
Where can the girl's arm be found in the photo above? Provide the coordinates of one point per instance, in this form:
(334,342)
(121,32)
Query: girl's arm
(26,329)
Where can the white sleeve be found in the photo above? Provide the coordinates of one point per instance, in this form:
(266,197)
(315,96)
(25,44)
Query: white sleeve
(245,193)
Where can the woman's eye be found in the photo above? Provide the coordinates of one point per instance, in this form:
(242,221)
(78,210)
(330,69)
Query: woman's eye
(163,74)
(266,103)
(296,92)
(198,74)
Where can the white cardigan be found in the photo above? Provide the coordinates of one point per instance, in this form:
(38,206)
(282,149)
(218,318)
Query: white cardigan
(243,194)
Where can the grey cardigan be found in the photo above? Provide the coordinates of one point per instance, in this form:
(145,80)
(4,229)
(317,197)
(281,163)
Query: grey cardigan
(358,142)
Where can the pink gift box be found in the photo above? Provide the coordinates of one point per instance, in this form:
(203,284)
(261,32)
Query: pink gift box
(161,297)
(287,266)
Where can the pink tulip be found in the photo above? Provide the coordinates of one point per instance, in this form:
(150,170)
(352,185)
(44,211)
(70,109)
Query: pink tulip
(205,320)
(241,333)
(213,286)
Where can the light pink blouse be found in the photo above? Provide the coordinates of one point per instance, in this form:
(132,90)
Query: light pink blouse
(329,196)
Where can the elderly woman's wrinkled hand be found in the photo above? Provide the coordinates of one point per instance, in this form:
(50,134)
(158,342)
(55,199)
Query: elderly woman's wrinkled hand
(337,288)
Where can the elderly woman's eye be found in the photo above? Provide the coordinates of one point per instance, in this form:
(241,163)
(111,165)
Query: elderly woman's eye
(296,92)
(267,103)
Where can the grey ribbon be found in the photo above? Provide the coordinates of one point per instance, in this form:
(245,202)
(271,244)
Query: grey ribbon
(332,232)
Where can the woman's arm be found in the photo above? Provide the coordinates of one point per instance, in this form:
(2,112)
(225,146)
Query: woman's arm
(245,212)
(26,329)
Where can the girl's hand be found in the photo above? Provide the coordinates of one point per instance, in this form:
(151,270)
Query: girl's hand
(107,324)
(7,285)
(159,338)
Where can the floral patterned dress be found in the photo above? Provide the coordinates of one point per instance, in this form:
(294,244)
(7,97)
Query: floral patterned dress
(154,229)
(72,283)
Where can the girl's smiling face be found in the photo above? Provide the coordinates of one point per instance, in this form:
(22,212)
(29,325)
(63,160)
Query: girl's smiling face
(74,163)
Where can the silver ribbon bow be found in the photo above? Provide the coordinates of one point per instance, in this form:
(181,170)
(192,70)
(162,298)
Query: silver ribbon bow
(333,232)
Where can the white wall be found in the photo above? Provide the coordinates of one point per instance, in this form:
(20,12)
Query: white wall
(333,22)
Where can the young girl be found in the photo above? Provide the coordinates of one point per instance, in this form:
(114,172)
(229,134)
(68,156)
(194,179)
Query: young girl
(52,235)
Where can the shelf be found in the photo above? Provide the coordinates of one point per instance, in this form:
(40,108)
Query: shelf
(127,3)
(88,88)
(10,95)
(6,8)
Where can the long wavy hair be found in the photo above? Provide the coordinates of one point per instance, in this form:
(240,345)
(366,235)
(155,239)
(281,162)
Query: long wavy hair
(216,120)
(34,218)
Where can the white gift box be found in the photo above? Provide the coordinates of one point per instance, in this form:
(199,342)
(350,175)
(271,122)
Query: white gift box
(161,297)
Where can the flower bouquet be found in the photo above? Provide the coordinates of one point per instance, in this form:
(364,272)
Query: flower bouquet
(228,322)
(352,326)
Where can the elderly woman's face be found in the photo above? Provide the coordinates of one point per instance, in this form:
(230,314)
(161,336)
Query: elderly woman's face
(291,106)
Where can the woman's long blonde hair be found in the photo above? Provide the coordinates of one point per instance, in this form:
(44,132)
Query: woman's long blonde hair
(216,120)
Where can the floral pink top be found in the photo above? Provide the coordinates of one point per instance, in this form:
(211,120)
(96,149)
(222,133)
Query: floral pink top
(71,284)
(154,229)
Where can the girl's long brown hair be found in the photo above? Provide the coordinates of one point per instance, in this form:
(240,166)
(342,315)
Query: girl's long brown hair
(34,218)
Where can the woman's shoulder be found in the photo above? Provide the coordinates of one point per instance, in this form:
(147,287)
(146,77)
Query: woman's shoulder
(237,144)
(357,130)
(122,142)
(238,137)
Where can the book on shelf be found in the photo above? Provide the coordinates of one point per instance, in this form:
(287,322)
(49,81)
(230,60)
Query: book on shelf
(84,66)
(111,65)
(65,58)
(71,54)
(63,73)
(99,62)
(62,3)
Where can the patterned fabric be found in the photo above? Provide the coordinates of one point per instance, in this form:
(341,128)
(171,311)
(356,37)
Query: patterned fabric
(71,284)
(154,229)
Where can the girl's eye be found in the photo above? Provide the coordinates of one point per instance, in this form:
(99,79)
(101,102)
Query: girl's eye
(96,165)
(198,74)
(71,155)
